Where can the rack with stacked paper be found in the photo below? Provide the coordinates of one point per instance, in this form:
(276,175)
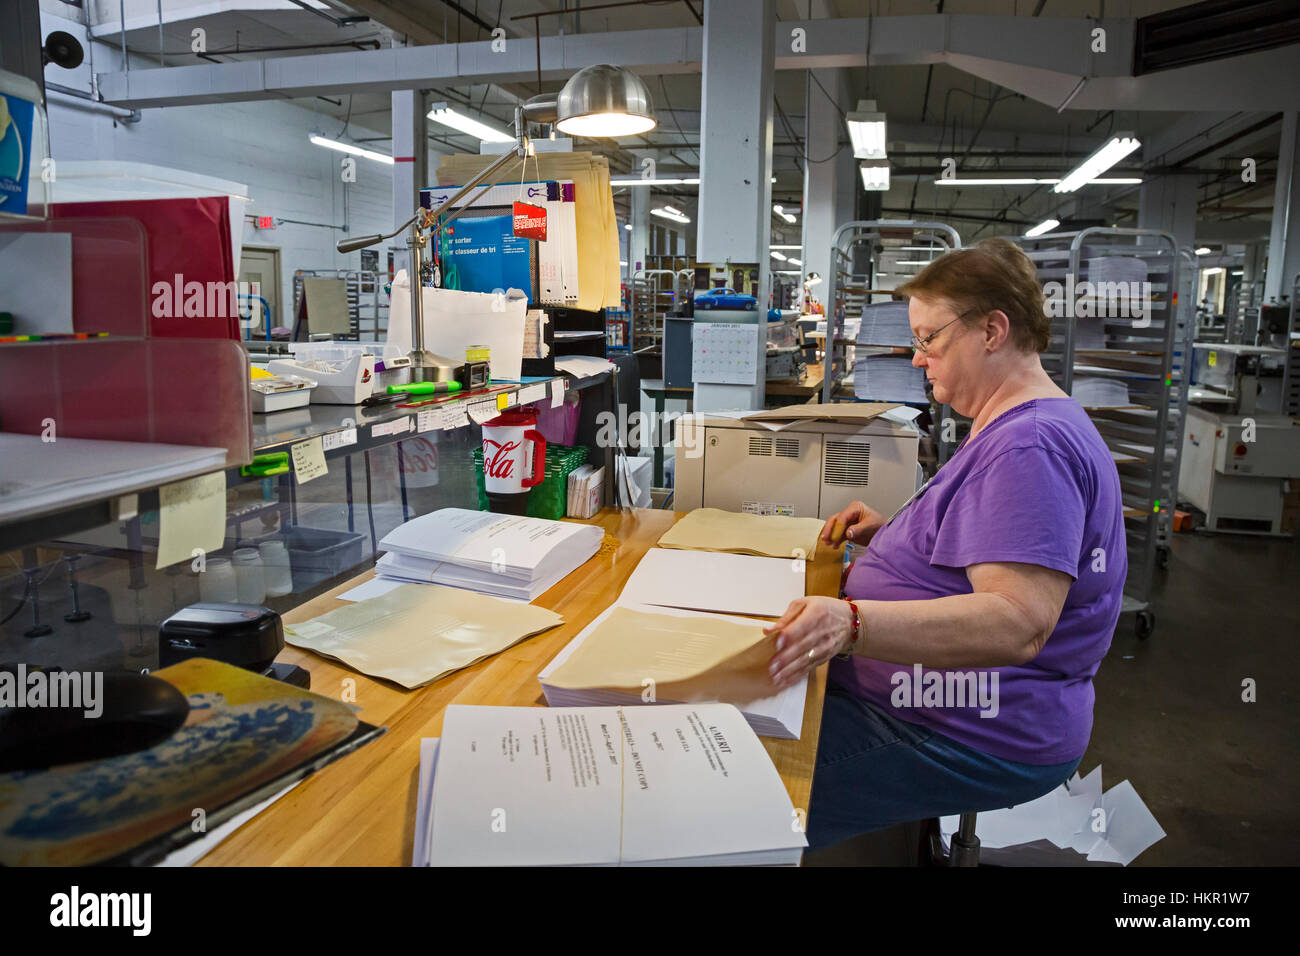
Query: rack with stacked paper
(878,373)
(505,555)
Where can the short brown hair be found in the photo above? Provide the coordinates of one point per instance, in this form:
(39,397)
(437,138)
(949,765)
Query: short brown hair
(993,274)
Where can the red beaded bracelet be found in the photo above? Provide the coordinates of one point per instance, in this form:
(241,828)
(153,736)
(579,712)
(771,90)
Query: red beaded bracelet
(857,629)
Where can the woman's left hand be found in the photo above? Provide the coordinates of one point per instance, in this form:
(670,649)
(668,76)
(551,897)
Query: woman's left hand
(812,631)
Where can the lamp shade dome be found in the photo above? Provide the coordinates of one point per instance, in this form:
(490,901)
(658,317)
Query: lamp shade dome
(604,100)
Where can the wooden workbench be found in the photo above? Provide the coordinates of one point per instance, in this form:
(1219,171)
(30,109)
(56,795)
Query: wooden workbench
(360,811)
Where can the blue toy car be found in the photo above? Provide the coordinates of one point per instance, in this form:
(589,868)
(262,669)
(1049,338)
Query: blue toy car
(725,299)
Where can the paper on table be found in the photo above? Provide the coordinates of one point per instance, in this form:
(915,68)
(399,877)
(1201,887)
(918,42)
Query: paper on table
(775,536)
(417,633)
(191,514)
(688,659)
(191,853)
(715,581)
(375,587)
(424,799)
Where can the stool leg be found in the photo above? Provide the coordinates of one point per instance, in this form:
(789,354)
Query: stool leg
(965,850)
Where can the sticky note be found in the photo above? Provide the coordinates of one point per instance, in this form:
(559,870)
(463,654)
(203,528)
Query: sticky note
(191,515)
(308,460)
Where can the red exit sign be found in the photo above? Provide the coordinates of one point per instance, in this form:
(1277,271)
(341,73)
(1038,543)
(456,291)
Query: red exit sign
(265,222)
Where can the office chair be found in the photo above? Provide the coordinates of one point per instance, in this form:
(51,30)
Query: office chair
(965,847)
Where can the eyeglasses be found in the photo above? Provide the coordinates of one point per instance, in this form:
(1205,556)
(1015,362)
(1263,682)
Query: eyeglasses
(922,345)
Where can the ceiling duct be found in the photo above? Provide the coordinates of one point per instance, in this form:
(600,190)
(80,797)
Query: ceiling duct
(1212,30)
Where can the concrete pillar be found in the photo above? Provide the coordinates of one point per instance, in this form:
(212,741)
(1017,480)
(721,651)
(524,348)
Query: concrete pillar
(410,162)
(734,215)
(821,136)
(1168,203)
(639,247)
(1284,237)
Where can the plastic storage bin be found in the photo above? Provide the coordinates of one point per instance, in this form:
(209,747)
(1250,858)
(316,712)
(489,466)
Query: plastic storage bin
(316,554)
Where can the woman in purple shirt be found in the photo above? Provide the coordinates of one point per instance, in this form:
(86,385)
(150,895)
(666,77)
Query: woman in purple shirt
(971,628)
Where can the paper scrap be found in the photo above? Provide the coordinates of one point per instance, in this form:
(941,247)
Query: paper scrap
(426,420)
(557,392)
(191,515)
(396,427)
(532,393)
(480,412)
(454,415)
(308,460)
(340,439)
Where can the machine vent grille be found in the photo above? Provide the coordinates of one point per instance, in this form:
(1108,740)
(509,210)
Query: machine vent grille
(846,463)
(787,448)
(760,446)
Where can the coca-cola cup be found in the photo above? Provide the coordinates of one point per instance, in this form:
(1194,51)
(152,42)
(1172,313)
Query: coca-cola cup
(514,460)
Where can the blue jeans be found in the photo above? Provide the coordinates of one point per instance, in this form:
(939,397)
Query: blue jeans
(874,770)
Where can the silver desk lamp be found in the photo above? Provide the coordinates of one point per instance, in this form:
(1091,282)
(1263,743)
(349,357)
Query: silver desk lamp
(597,101)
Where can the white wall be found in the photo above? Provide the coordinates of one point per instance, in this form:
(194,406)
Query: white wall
(260,144)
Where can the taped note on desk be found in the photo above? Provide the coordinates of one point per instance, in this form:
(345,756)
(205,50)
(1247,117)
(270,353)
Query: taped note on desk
(191,516)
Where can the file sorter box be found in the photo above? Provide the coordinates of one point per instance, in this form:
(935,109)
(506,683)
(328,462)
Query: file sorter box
(806,469)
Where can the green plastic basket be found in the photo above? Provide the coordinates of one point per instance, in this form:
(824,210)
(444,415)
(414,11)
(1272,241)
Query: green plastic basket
(549,499)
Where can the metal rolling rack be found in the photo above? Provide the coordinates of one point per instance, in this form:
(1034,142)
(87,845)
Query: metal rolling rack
(851,290)
(367,312)
(1291,373)
(654,293)
(1145,435)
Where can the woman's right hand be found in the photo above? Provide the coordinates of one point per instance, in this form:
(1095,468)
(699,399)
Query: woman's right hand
(856,523)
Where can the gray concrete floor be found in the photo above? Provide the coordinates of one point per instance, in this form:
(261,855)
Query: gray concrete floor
(1219,774)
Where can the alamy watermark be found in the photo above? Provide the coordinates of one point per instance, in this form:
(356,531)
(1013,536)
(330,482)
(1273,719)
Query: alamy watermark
(75,690)
(946,689)
(1099,300)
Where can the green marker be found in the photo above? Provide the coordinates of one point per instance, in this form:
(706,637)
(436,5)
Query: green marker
(424,388)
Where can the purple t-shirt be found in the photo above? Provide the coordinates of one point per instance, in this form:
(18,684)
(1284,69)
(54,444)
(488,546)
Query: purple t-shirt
(1036,486)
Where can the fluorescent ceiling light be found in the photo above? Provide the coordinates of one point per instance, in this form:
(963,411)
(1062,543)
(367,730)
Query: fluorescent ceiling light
(913,262)
(1113,181)
(444,114)
(669,181)
(778,255)
(875,175)
(785,247)
(1103,159)
(935,248)
(672,214)
(622,262)
(780,211)
(1203,251)
(867,130)
(349,148)
(1212,272)
(1047,225)
(627,226)
(795,262)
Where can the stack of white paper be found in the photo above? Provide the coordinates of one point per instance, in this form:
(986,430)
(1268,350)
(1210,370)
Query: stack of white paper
(888,378)
(885,323)
(505,555)
(688,785)
(780,715)
(1083,824)
(584,489)
(1094,391)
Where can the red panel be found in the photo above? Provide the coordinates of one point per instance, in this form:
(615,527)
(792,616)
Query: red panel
(189,238)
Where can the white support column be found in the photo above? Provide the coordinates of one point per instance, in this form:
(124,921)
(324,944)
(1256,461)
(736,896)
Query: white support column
(410,161)
(1168,203)
(639,246)
(1284,237)
(734,215)
(821,136)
